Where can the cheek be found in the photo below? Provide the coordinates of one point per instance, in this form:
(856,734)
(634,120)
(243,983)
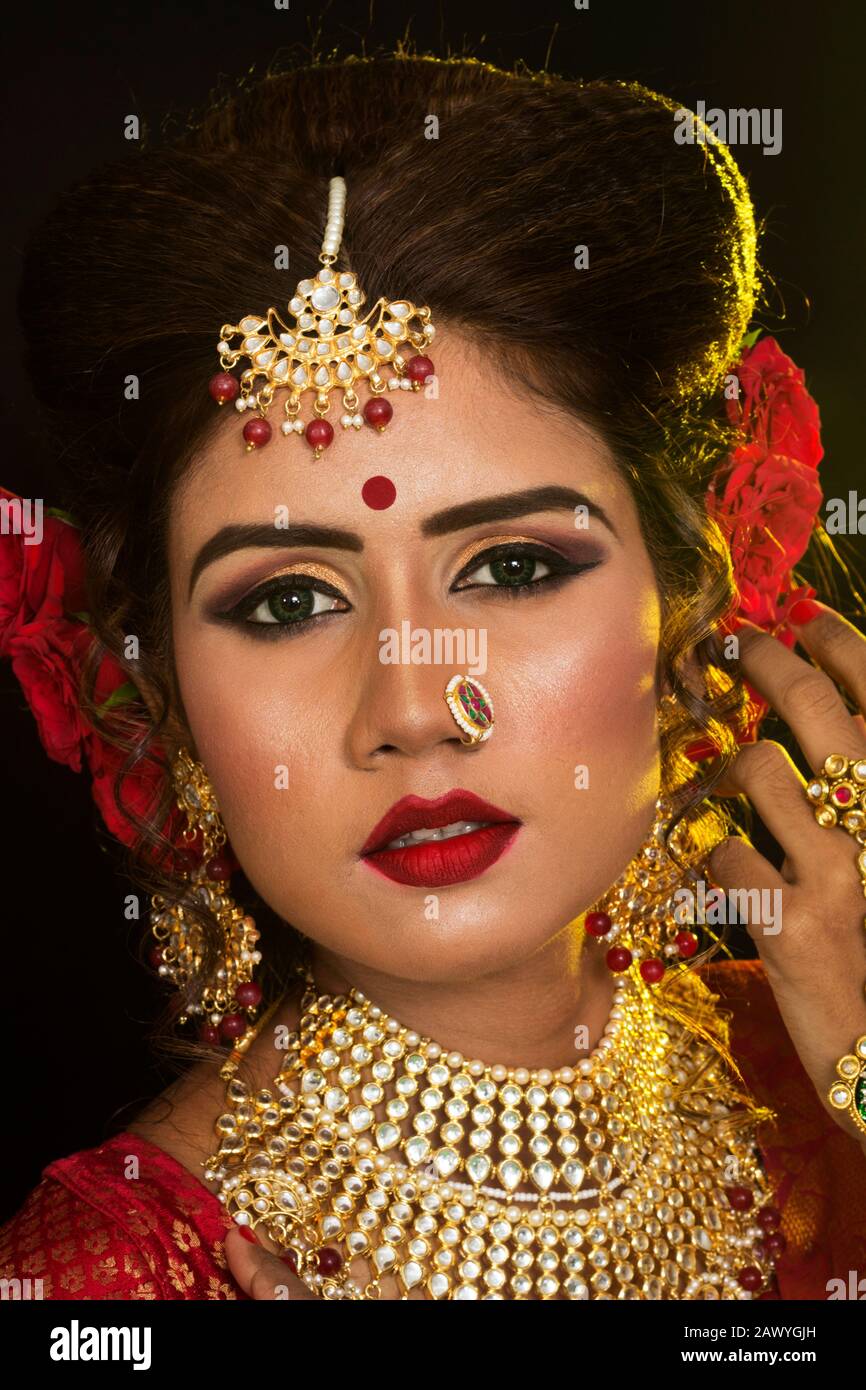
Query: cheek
(261,729)
(586,695)
(586,738)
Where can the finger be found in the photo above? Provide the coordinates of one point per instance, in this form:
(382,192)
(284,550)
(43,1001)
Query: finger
(805,697)
(261,1275)
(765,773)
(837,646)
(753,888)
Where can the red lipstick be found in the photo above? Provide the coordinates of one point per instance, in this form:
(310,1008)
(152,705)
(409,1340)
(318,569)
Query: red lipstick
(438,863)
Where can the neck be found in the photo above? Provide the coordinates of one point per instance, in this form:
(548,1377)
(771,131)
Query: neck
(548,1011)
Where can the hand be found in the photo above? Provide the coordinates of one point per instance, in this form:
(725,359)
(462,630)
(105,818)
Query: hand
(816,962)
(260,1271)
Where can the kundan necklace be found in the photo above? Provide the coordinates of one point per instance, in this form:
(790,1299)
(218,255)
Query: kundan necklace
(386,1166)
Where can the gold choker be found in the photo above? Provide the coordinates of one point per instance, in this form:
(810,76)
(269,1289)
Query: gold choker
(384,1166)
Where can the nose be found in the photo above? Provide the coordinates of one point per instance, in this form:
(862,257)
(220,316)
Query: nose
(401,710)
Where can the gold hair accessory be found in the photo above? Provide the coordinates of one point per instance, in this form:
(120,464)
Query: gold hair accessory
(222,994)
(839,798)
(471,707)
(324,346)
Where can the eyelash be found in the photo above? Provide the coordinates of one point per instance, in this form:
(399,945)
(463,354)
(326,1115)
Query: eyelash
(563,571)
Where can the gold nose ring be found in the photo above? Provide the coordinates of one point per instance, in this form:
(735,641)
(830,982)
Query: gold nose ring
(471,707)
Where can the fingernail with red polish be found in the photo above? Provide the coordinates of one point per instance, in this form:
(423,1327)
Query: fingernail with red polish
(803,611)
(248,1234)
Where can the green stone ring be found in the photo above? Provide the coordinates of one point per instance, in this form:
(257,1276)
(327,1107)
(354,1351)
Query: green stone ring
(838,797)
(850,1093)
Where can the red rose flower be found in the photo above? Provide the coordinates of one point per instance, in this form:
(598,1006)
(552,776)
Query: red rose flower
(46,658)
(765,498)
(767,511)
(139,789)
(43,632)
(774,406)
(39,582)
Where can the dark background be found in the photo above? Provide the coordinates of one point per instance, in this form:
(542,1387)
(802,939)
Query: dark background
(76,1004)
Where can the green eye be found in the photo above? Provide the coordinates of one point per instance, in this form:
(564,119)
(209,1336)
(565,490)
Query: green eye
(512,570)
(285,606)
(519,569)
(291,605)
(290,602)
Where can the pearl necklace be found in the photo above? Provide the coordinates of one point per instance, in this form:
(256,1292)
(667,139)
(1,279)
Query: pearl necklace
(360,1155)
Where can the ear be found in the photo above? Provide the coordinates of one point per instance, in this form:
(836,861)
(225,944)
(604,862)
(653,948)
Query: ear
(175,732)
(691,674)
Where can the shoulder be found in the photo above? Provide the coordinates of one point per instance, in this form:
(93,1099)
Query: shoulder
(124,1221)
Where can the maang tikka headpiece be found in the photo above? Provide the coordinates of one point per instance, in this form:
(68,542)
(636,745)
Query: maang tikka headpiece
(327,347)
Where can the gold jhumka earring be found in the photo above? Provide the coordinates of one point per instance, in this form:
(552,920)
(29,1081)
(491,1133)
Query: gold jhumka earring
(220,992)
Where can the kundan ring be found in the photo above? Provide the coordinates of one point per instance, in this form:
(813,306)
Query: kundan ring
(472,708)
(838,796)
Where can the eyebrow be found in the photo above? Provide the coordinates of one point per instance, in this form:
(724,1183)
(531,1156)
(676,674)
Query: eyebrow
(503,507)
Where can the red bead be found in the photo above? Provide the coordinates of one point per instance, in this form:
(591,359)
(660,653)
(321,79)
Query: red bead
(652,970)
(319,434)
(686,943)
(257,432)
(223,387)
(776,1244)
(740,1198)
(618,959)
(768,1218)
(750,1277)
(598,923)
(219,867)
(843,795)
(419,369)
(329,1260)
(233,1026)
(378,411)
(249,995)
(207,1033)
(155,957)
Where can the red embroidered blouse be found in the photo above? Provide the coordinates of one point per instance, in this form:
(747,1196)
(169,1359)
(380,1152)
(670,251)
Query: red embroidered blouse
(96,1227)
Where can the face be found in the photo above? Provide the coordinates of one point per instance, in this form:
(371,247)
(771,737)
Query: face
(291,655)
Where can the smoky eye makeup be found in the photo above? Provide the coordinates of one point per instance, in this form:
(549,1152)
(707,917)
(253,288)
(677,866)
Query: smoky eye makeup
(515,564)
(235,592)
(284,603)
(296,600)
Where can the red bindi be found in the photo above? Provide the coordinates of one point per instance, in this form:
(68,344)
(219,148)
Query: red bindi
(378,493)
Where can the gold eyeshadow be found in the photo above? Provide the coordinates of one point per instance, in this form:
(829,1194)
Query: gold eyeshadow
(325,573)
(485,543)
(312,567)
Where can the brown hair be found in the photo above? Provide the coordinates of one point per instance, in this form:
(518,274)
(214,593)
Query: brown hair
(470,184)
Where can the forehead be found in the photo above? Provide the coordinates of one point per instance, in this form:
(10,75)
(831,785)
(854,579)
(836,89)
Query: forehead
(468,436)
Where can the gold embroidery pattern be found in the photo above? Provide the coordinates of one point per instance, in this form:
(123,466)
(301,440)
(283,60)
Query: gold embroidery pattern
(91,1233)
(816,1167)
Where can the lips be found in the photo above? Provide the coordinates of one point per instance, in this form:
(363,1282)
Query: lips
(437,863)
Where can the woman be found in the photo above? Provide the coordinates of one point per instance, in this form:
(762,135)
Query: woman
(481,1048)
